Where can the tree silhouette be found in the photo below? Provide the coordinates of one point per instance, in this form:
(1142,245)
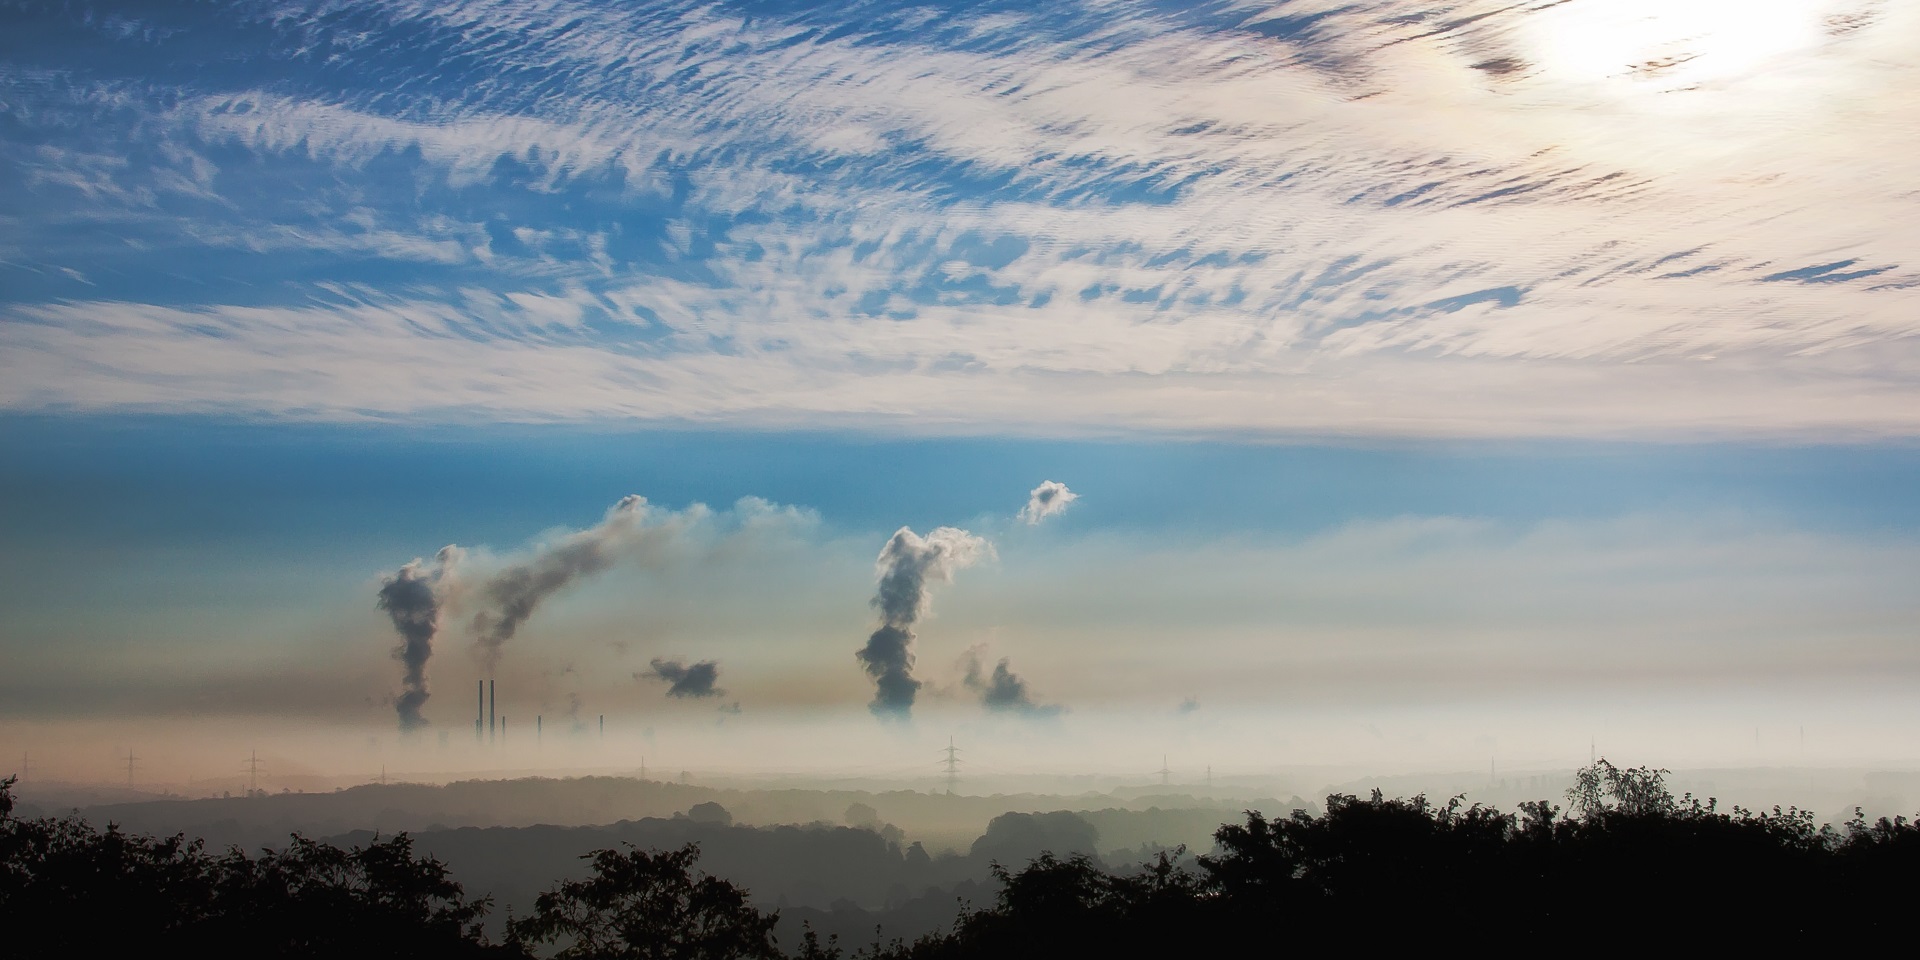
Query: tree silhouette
(78,891)
(316,899)
(1374,873)
(1633,791)
(648,906)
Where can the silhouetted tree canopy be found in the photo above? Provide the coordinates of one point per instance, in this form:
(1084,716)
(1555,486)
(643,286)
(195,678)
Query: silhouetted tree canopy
(70,890)
(648,906)
(1384,873)
(1628,866)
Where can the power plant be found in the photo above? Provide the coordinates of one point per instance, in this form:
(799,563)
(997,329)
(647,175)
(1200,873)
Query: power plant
(485,719)
(490,726)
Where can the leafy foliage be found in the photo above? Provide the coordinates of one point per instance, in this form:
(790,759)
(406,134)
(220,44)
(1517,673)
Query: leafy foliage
(90,892)
(649,906)
(1374,873)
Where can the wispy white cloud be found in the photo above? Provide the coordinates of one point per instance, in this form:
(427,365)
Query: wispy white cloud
(483,358)
(1375,218)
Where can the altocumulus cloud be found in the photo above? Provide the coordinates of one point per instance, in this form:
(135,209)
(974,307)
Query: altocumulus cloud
(1075,216)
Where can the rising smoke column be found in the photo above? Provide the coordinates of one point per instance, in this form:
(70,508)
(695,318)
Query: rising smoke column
(412,599)
(511,595)
(1045,500)
(1003,690)
(907,567)
(685,680)
(419,598)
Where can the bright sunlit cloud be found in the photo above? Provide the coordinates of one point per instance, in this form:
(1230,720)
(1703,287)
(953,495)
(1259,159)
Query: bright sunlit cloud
(1668,45)
(1271,219)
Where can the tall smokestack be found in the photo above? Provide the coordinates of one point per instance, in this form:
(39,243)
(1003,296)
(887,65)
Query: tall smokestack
(480,709)
(603,726)
(536,728)
(490,715)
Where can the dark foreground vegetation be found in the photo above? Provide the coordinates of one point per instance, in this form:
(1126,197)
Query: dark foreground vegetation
(1624,867)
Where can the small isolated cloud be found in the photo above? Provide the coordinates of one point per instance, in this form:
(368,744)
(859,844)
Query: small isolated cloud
(1002,690)
(684,679)
(1049,498)
(1187,706)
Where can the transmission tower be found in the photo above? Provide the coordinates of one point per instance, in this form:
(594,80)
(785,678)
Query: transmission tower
(1165,774)
(952,764)
(253,772)
(130,762)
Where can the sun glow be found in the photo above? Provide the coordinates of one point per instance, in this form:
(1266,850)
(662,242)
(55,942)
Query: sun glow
(1669,45)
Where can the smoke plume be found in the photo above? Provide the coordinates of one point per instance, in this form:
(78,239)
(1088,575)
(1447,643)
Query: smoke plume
(412,600)
(907,568)
(685,680)
(421,597)
(511,595)
(1045,500)
(1003,690)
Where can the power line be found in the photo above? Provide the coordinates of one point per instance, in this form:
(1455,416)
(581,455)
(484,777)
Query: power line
(952,764)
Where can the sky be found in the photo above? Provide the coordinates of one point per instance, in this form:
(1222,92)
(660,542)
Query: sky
(1381,383)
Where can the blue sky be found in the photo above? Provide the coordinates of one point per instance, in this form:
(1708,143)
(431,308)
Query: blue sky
(1576,337)
(1381,219)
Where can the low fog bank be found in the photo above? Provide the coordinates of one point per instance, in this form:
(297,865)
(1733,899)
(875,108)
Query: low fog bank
(842,860)
(939,822)
(842,880)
